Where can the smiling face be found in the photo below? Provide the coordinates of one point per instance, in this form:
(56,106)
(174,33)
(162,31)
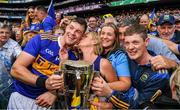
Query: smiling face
(92,22)
(73,33)
(108,37)
(31,13)
(135,46)
(166,30)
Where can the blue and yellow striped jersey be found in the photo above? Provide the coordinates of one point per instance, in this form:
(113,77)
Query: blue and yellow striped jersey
(45,49)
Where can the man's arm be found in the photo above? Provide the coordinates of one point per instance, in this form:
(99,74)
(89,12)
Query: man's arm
(160,48)
(172,46)
(160,62)
(20,71)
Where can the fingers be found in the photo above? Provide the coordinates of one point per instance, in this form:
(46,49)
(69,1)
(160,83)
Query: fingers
(55,82)
(157,62)
(55,79)
(42,103)
(97,86)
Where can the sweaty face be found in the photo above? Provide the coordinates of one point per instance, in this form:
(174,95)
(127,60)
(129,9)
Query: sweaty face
(166,30)
(108,37)
(73,33)
(135,46)
(4,35)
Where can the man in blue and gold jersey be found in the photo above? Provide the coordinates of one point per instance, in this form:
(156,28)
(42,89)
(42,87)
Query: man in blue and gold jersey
(47,22)
(38,61)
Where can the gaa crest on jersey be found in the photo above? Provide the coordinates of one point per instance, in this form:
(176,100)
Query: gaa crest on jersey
(144,77)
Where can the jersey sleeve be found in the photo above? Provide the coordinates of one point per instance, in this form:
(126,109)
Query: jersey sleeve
(48,25)
(33,46)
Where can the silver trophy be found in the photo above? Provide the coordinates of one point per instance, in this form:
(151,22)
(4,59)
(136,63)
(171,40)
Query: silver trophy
(77,79)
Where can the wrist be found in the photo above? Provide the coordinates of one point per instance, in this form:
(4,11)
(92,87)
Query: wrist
(111,93)
(41,82)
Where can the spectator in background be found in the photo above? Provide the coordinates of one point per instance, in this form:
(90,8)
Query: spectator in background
(47,22)
(58,18)
(92,24)
(108,18)
(153,29)
(177,23)
(19,37)
(144,20)
(9,51)
(166,28)
(57,31)
(122,26)
(27,35)
(31,22)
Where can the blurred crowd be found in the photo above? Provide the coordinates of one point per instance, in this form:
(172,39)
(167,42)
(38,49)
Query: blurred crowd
(137,54)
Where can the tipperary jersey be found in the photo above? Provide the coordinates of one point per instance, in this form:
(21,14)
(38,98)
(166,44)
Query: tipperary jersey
(35,27)
(146,81)
(45,49)
(48,24)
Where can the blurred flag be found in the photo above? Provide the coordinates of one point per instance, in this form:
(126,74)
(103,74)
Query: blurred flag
(151,18)
(51,11)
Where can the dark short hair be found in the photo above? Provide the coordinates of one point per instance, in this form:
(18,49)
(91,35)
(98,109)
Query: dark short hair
(93,17)
(136,29)
(81,21)
(41,8)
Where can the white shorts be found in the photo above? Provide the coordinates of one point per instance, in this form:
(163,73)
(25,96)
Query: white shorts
(20,102)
